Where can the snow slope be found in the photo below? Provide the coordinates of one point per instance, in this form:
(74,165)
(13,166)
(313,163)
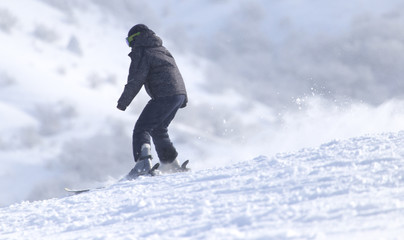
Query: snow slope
(352,189)
(260,92)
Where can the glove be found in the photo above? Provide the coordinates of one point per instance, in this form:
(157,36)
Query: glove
(121,107)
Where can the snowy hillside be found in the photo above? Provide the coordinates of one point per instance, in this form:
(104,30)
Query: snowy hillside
(351,189)
(263,77)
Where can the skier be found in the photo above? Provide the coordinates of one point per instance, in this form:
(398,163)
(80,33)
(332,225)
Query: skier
(153,67)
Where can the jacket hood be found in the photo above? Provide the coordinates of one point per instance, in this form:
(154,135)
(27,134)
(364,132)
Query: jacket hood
(146,37)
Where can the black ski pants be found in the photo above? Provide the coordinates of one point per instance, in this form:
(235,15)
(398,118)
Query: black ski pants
(153,122)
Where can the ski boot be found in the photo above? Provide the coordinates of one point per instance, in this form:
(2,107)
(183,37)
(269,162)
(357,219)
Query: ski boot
(174,167)
(143,164)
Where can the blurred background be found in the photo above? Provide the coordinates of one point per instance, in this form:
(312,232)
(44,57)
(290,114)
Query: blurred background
(263,77)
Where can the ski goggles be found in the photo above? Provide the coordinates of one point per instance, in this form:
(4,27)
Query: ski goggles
(130,39)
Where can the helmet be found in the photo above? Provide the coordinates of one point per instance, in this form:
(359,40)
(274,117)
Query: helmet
(135,31)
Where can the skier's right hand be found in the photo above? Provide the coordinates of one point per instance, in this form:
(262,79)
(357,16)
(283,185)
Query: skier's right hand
(121,107)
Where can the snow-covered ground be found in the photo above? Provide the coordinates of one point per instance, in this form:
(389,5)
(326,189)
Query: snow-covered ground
(263,78)
(352,189)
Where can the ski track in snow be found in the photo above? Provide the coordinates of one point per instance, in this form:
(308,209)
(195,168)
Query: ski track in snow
(352,189)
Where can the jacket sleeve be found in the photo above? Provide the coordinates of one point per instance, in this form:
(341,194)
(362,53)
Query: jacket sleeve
(138,71)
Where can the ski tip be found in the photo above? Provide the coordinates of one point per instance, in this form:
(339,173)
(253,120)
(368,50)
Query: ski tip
(157,165)
(152,171)
(184,166)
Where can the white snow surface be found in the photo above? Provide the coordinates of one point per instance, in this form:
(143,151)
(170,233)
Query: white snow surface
(352,189)
(63,66)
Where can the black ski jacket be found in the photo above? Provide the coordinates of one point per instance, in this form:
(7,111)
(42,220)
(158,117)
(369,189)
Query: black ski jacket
(154,67)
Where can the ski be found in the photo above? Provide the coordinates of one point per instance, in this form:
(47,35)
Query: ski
(78,191)
(151,172)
